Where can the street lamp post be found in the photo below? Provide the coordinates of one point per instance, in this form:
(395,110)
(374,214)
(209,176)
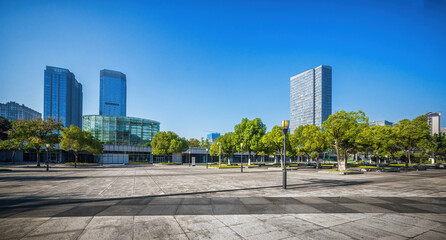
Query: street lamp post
(189,158)
(219,154)
(285,126)
(47,147)
(241,157)
(207,157)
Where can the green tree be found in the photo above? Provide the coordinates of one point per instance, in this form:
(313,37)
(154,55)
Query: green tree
(37,133)
(76,140)
(274,140)
(342,128)
(5,126)
(13,144)
(298,141)
(193,142)
(316,141)
(168,143)
(204,143)
(410,133)
(250,132)
(377,138)
(228,144)
(433,144)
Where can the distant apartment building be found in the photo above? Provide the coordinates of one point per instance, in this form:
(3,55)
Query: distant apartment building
(113,93)
(310,97)
(434,122)
(443,130)
(382,123)
(212,137)
(15,111)
(62,96)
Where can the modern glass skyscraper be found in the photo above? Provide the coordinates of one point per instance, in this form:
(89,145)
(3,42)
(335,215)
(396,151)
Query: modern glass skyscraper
(113,93)
(62,96)
(310,95)
(15,111)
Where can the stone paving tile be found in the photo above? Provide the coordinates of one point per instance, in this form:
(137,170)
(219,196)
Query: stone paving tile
(410,220)
(229,209)
(323,235)
(264,209)
(194,210)
(434,208)
(360,231)
(197,223)
(67,235)
(16,228)
(196,201)
(223,233)
(431,235)
(332,208)
(122,210)
(149,227)
(225,200)
(291,224)
(249,229)
(271,235)
(59,225)
(82,211)
(159,210)
(312,200)
(298,208)
(230,220)
(46,211)
(400,208)
(366,208)
(396,228)
(325,220)
(255,201)
(434,217)
(135,201)
(109,227)
(166,201)
(338,200)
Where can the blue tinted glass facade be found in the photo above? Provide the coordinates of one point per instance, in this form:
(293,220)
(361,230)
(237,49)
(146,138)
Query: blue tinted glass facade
(62,96)
(120,130)
(113,93)
(310,97)
(15,111)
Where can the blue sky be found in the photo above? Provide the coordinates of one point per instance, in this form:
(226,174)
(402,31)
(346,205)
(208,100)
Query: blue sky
(198,66)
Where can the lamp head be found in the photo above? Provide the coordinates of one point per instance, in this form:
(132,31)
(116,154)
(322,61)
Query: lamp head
(189,152)
(285,124)
(47,145)
(241,144)
(207,149)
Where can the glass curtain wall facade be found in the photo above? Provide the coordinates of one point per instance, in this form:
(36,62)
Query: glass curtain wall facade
(310,97)
(112,93)
(14,111)
(62,96)
(120,130)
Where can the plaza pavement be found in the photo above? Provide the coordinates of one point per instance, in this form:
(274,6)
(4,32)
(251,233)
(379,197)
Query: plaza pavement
(181,202)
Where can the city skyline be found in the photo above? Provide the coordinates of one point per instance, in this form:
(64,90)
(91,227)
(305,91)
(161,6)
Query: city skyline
(193,71)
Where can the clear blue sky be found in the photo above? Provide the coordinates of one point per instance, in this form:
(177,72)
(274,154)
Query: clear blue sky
(204,65)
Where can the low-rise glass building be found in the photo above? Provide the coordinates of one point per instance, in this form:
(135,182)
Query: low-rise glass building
(121,130)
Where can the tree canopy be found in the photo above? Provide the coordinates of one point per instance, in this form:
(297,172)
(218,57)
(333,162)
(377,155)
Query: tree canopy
(76,140)
(168,143)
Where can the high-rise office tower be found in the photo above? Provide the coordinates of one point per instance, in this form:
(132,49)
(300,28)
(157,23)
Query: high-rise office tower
(310,95)
(15,111)
(62,96)
(434,122)
(113,93)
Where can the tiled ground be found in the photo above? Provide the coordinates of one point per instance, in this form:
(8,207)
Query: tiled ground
(180,202)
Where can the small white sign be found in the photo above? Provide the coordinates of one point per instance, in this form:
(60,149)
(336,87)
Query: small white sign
(193,161)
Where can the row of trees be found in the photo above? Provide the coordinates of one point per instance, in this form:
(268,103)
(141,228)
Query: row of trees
(37,134)
(345,133)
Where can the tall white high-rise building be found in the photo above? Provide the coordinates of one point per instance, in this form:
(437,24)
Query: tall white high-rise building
(310,95)
(434,122)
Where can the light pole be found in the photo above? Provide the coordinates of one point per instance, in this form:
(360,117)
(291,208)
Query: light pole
(47,147)
(241,157)
(219,154)
(207,157)
(285,126)
(189,158)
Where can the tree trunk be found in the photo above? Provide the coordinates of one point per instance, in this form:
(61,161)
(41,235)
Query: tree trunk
(38,157)
(13,156)
(377,158)
(249,157)
(407,159)
(75,160)
(338,156)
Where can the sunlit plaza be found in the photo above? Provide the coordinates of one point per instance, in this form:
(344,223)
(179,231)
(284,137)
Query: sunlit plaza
(182,202)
